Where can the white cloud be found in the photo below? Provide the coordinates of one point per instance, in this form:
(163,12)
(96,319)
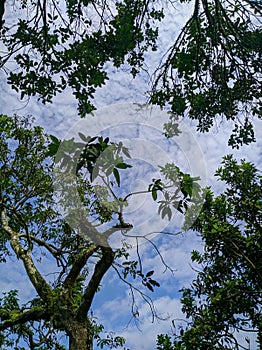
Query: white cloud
(142,334)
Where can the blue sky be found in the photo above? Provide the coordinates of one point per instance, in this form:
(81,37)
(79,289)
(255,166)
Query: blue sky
(119,118)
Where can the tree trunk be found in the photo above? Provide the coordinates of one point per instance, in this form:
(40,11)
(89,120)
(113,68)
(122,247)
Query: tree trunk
(80,335)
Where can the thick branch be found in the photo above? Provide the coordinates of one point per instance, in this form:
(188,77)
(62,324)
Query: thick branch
(15,317)
(39,283)
(100,269)
(77,266)
(90,232)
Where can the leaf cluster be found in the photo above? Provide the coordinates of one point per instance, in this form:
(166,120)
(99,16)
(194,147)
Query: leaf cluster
(130,267)
(213,68)
(54,50)
(178,190)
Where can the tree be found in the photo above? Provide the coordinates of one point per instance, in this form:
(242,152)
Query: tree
(225,298)
(53,211)
(212,69)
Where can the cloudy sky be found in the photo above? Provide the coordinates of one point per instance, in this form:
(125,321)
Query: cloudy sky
(121,116)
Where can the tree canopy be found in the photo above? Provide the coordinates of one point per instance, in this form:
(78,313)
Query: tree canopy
(225,298)
(67,43)
(212,69)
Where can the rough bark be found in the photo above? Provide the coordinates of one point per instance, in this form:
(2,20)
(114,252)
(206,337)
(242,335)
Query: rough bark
(41,286)
(77,266)
(13,318)
(80,335)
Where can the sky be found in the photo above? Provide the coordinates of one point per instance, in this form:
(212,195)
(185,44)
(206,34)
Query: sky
(122,115)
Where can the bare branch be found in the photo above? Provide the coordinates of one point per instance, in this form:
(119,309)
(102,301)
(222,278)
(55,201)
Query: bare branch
(144,296)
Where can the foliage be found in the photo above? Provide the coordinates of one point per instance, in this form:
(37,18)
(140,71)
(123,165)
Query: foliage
(225,297)
(214,68)
(55,50)
(60,203)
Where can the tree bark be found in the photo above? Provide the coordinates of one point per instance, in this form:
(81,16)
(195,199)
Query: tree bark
(100,269)
(80,335)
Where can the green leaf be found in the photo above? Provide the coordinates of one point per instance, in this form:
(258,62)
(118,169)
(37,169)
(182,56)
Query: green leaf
(55,139)
(117,176)
(95,172)
(52,150)
(123,166)
(126,152)
(83,137)
(167,212)
(154,194)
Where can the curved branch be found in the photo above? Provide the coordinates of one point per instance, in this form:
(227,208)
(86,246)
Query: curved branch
(254,5)
(50,247)
(167,267)
(101,268)
(77,266)
(89,231)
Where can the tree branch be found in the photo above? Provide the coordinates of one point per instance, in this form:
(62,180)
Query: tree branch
(15,317)
(39,283)
(77,266)
(2,11)
(100,269)
(144,296)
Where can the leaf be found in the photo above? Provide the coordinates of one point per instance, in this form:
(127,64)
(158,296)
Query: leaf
(52,150)
(83,137)
(167,212)
(109,170)
(148,285)
(94,173)
(154,283)
(150,273)
(55,139)
(154,194)
(123,166)
(90,140)
(126,152)
(117,176)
